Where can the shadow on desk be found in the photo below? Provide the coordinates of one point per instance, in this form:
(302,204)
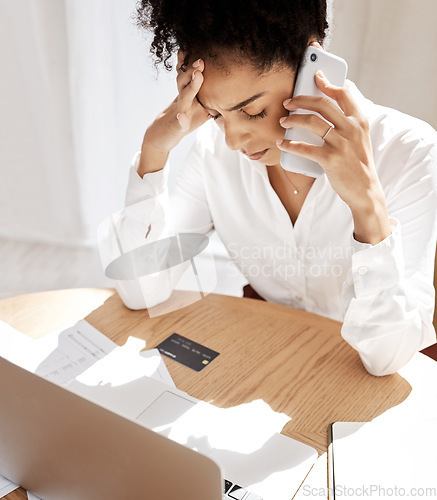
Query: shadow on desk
(294,361)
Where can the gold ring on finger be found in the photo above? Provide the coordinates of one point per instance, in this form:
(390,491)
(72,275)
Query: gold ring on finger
(327,132)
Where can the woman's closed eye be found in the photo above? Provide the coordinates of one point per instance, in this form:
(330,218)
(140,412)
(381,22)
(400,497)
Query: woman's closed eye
(257,116)
(247,115)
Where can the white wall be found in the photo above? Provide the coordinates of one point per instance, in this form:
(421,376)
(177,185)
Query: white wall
(78,89)
(390,46)
(76,93)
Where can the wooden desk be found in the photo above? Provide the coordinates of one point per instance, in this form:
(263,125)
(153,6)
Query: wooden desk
(295,361)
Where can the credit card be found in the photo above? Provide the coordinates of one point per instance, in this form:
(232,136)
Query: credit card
(187,352)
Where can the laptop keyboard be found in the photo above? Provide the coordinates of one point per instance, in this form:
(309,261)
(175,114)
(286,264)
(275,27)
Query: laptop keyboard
(236,492)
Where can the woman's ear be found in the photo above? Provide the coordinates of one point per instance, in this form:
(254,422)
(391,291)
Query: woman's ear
(315,43)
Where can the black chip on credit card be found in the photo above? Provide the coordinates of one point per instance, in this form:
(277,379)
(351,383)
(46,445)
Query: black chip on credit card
(187,352)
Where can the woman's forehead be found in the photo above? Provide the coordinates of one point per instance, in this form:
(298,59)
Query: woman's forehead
(239,83)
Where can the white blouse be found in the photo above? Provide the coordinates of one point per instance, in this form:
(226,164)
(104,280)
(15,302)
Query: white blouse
(383,294)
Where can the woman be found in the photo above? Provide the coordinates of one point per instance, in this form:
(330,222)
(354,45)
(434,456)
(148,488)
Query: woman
(356,244)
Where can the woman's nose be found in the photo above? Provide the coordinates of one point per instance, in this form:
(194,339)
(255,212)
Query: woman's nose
(236,137)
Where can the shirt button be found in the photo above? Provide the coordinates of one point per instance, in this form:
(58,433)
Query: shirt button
(362,270)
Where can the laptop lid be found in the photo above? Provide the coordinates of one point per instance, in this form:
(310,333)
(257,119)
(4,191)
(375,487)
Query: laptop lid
(61,446)
(245,440)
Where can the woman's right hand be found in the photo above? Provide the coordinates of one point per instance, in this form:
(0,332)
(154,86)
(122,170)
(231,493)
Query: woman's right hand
(184,115)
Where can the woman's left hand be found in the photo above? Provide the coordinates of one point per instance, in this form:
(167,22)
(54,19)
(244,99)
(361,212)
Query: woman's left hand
(346,154)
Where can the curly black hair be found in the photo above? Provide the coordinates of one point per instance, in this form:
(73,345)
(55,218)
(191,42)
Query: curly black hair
(261,31)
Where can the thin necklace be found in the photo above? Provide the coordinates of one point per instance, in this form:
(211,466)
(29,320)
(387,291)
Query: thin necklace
(297,191)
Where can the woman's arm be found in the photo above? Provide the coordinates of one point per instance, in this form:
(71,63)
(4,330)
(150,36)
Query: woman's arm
(346,156)
(389,295)
(183,116)
(146,226)
(185,211)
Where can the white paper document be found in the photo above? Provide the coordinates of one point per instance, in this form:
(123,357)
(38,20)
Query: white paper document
(59,356)
(126,364)
(69,353)
(64,355)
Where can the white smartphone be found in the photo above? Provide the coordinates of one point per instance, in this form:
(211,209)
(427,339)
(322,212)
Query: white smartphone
(335,69)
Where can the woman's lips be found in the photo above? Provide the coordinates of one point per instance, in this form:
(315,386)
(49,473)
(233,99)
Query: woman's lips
(258,155)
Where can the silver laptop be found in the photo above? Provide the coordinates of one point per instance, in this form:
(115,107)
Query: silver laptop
(97,442)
